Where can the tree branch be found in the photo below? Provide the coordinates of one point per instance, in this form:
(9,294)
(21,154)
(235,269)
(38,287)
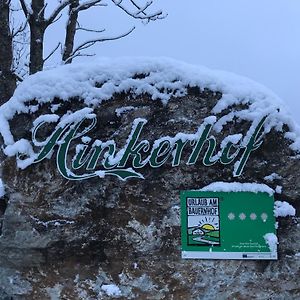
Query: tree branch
(27,11)
(21,28)
(57,18)
(79,54)
(141,12)
(86,5)
(57,10)
(141,9)
(90,43)
(134,4)
(52,52)
(18,77)
(42,11)
(90,30)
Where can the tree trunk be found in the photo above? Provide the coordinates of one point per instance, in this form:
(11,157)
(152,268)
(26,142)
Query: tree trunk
(70,32)
(36,48)
(7,78)
(37,32)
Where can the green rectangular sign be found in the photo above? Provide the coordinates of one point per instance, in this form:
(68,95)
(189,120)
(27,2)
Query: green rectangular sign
(227,225)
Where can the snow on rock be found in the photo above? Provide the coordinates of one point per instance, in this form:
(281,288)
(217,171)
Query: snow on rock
(283,209)
(221,186)
(272,241)
(272,177)
(124,109)
(55,292)
(160,78)
(111,290)
(2,189)
(22,146)
(101,174)
(86,139)
(278,189)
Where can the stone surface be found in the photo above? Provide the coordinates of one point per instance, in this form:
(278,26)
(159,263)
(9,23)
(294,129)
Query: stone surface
(64,239)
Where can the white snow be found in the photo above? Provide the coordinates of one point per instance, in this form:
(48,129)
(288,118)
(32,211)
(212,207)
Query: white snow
(2,189)
(48,118)
(100,174)
(162,80)
(55,107)
(22,146)
(272,241)
(54,292)
(278,189)
(76,116)
(135,266)
(111,290)
(124,109)
(272,177)
(86,139)
(221,186)
(56,222)
(283,209)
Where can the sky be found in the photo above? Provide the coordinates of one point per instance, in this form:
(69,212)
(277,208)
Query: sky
(259,39)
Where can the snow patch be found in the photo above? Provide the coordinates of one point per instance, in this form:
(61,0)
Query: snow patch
(111,290)
(220,186)
(124,109)
(22,147)
(272,177)
(2,189)
(100,174)
(86,139)
(283,209)
(272,241)
(76,116)
(55,107)
(54,292)
(47,118)
(56,222)
(278,189)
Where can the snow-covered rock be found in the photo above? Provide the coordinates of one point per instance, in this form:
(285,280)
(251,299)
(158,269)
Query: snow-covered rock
(102,237)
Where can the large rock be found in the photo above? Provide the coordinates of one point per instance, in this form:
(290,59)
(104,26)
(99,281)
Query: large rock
(102,238)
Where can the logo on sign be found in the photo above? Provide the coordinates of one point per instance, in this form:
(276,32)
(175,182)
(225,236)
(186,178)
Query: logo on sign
(97,158)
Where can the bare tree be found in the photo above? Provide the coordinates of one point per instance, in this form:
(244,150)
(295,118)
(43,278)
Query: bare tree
(134,10)
(70,31)
(7,78)
(35,15)
(38,24)
(15,39)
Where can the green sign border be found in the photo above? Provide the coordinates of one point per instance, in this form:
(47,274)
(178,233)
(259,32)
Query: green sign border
(241,228)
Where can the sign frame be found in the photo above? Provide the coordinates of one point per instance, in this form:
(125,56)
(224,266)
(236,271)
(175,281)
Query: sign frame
(227,225)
